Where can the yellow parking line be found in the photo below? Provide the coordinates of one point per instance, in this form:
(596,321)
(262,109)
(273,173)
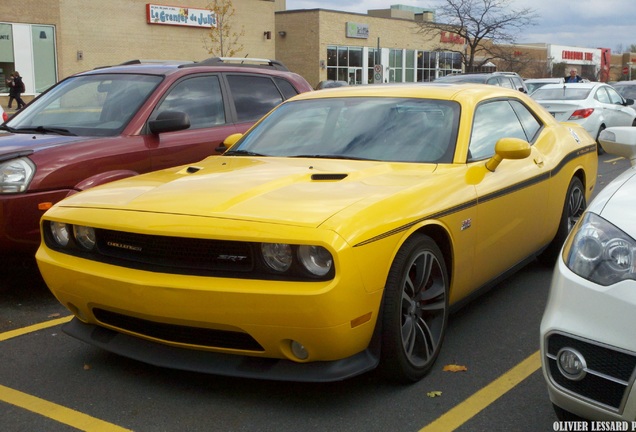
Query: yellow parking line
(56,412)
(614,160)
(35,327)
(45,408)
(466,410)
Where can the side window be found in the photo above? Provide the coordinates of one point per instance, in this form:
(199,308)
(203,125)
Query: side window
(200,97)
(493,121)
(602,96)
(529,122)
(254,96)
(493,81)
(506,82)
(614,96)
(286,88)
(517,82)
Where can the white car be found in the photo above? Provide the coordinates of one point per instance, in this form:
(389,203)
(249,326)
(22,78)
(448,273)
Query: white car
(535,83)
(588,347)
(594,105)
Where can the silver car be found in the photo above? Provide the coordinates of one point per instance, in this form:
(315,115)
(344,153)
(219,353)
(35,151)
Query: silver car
(594,105)
(588,348)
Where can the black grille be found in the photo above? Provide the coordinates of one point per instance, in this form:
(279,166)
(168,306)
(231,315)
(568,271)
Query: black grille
(177,333)
(179,254)
(604,360)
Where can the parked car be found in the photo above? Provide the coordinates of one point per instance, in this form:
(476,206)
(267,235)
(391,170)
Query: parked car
(595,106)
(333,237)
(627,89)
(502,79)
(115,122)
(587,347)
(534,83)
(331,84)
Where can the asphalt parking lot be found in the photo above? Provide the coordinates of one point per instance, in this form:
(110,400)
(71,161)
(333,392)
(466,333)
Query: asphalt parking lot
(51,382)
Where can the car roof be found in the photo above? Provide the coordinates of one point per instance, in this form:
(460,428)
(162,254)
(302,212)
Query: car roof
(432,90)
(546,80)
(589,85)
(168,67)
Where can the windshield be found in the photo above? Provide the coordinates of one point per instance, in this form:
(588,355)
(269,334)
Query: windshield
(383,129)
(561,93)
(91,105)
(627,91)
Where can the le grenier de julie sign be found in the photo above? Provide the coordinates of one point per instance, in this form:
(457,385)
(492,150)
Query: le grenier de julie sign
(180,16)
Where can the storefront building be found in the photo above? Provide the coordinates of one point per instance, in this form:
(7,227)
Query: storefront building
(48,41)
(382,46)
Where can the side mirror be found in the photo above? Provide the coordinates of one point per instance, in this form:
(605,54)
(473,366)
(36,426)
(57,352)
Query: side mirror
(228,142)
(629,101)
(508,148)
(169,121)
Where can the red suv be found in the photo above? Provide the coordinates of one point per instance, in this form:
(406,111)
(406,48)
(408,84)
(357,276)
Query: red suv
(120,121)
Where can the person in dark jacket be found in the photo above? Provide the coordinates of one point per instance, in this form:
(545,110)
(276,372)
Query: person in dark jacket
(573,77)
(16,86)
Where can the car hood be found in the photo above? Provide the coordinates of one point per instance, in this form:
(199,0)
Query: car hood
(12,143)
(615,202)
(301,192)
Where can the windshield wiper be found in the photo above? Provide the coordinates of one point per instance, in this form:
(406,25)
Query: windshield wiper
(45,130)
(241,153)
(8,128)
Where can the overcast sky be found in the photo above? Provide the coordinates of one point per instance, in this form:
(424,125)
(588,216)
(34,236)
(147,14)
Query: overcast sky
(580,23)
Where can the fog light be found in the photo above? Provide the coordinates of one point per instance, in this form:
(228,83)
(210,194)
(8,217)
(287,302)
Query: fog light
(571,364)
(299,350)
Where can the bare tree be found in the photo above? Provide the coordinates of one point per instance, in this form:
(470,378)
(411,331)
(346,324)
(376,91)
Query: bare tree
(481,24)
(222,41)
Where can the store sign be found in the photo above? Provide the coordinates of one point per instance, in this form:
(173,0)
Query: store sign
(452,38)
(179,16)
(355,30)
(576,55)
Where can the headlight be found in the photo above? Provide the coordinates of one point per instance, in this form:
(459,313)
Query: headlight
(60,232)
(600,252)
(316,259)
(278,256)
(85,236)
(15,175)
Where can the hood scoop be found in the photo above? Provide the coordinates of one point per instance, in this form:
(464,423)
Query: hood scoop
(328,177)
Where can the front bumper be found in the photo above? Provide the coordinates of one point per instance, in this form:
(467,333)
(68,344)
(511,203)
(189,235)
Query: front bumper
(20,216)
(221,364)
(219,325)
(598,322)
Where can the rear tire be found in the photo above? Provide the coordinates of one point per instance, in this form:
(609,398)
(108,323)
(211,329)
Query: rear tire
(573,208)
(599,147)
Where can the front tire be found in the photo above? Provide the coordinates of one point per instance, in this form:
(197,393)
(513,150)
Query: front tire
(573,208)
(415,310)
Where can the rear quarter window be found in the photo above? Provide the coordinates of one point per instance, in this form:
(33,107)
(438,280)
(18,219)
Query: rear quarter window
(254,96)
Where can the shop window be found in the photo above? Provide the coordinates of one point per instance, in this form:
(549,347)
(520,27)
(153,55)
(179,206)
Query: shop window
(44,64)
(6,55)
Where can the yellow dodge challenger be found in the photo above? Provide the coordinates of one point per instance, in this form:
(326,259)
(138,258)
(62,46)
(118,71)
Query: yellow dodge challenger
(332,238)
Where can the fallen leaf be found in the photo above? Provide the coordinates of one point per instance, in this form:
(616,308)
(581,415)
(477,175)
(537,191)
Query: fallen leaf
(455,368)
(87,367)
(434,394)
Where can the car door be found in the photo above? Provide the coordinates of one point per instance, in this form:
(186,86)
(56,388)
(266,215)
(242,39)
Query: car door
(202,98)
(510,220)
(624,115)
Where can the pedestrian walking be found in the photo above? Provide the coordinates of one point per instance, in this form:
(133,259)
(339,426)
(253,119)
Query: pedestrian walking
(16,90)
